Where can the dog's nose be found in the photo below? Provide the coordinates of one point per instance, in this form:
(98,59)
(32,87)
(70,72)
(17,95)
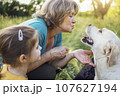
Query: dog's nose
(90,25)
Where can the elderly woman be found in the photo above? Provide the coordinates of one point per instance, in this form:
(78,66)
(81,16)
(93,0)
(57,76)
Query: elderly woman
(55,17)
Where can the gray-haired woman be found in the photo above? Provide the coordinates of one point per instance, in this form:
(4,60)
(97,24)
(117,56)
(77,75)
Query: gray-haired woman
(55,17)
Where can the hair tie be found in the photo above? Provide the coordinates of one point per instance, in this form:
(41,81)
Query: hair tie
(20,35)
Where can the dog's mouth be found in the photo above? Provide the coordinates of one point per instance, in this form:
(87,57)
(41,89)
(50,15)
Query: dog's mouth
(87,40)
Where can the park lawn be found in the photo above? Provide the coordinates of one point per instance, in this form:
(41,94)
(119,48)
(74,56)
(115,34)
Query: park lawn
(71,40)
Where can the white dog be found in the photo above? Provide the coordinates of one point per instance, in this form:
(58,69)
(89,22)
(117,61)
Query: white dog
(106,49)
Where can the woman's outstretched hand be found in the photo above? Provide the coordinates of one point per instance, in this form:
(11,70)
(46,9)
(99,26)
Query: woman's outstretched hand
(82,56)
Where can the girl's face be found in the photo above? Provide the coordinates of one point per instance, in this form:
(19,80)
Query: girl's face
(36,52)
(68,23)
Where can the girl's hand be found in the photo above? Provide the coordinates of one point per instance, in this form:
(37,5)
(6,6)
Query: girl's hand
(82,56)
(59,52)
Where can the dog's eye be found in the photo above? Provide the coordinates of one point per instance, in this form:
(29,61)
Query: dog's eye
(100,31)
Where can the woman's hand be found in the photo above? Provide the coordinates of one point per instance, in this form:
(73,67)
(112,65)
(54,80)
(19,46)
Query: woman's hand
(82,56)
(59,52)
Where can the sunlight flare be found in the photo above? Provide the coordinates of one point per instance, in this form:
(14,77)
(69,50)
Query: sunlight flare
(103,1)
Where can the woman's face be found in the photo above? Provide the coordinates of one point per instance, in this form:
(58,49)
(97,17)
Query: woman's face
(68,23)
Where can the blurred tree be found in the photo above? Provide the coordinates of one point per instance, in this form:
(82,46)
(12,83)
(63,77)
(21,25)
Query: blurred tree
(14,8)
(1,8)
(99,9)
(37,3)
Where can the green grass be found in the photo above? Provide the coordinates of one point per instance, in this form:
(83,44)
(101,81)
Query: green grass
(71,40)
(9,21)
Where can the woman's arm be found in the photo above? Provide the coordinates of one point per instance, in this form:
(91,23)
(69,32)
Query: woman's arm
(59,63)
(44,58)
(57,52)
(80,55)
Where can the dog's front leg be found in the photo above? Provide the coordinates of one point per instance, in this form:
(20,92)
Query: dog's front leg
(95,78)
(96,75)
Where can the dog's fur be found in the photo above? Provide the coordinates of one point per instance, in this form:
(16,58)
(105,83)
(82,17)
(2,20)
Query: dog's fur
(106,49)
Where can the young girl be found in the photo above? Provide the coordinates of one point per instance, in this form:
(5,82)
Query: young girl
(19,47)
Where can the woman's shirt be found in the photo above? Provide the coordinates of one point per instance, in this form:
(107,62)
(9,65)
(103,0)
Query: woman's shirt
(40,25)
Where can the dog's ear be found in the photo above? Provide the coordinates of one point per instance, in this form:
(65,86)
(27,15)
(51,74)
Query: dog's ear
(109,51)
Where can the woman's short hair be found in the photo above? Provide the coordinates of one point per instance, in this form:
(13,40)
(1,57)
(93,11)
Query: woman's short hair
(10,45)
(54,11)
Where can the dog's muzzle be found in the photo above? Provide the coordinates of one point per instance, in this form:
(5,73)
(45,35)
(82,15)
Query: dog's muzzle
(87,40)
